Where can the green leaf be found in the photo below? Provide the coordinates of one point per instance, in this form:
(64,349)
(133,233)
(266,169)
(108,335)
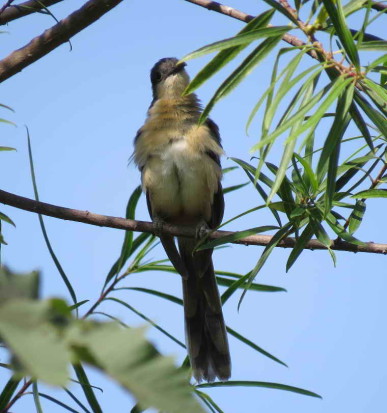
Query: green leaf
(375,45)
(270,90)
(58,402)
(337,129)
(225,56)
(79,403)
(286,85)
(252,60)
(340,230)
(287,154)
(130,359)
(126,249)
(253,287)
(356,216)
(263,384)
(8,122)
(234,188)
(377,93)
(144,317)
(301,112)
(87,388)
(254,346)
(235,236)
(337,17)
(77,305)
(371,193)
(335,136)
(8,391)
(14,285)
(308,172)
(337,89)
(207,400)
(240,39)
(156,293)
(35,393)
(377,118)
(5,218)
(352,167)
(34,341)
(43,228)
(300,245)
(282,10)
(229,169)
(249,277)
(6,148)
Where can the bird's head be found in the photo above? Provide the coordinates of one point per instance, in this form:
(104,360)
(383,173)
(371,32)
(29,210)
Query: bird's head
(169,79)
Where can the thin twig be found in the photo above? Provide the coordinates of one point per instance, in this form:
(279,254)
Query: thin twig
(16,11)
(55,36)
(143,226)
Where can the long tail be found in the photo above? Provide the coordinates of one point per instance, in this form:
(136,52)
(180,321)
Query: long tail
(206,335)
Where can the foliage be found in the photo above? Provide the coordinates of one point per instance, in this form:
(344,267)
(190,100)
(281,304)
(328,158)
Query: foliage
(312,183)
(306,191)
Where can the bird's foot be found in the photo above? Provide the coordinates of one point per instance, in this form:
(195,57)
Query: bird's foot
(202,230)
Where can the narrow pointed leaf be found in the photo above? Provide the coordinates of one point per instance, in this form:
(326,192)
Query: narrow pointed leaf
(371,193)
(87,388)
(356,216)
(237,41)
(126,249)
(305,237)
(252,60)
(225,56)
(263,384)
(236,236)
(254,346)
(144,317)
(43,227)
(337,17)
(8,391)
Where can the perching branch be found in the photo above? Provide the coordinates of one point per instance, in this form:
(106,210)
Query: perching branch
(55,36)
(142,226)
(13,12)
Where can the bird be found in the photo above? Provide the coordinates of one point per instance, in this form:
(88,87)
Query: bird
(179,160)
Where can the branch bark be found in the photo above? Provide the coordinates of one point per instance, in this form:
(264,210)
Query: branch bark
(55,36)
(143,226)
(14,12)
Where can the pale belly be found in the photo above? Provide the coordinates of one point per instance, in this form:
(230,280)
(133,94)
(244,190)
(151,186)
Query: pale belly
(181,183)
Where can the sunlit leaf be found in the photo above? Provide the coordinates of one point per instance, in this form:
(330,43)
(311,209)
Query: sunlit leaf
(225,56)
(238,40)
(337,17)
(248,64)
(371,193)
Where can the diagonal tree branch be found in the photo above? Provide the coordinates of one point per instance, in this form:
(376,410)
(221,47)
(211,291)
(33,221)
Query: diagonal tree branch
(55,36)
(14,12)
(142,226)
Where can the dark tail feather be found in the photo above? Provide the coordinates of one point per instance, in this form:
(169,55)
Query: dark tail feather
(206,334)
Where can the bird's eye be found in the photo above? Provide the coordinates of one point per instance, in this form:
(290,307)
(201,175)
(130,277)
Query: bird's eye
(157,76)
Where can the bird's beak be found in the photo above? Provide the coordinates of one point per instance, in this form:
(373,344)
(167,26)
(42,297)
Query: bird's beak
(178,68)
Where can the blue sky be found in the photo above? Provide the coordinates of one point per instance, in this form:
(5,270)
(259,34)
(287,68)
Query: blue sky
(83,109)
